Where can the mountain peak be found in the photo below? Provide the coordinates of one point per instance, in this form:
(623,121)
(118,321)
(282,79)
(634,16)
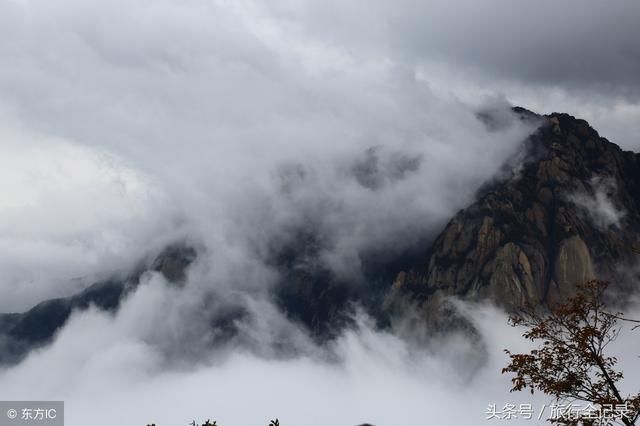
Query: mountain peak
(554,221)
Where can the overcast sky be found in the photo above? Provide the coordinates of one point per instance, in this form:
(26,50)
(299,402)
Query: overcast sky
(76,68)
(126,125)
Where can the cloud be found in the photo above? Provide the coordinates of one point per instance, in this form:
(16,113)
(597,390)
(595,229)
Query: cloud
(134,63)
(121,375)
(582,58)
(70,215)
(576,46)
(599,205)
(366,375)
(201,109)
(237,125)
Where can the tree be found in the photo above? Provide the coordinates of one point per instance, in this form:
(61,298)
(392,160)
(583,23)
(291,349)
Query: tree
(571,363)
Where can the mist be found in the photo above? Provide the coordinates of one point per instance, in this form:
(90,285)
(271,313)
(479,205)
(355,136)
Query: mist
(206,124)
(233,128)
(120,375)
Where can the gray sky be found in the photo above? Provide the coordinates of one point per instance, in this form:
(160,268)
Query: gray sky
(125,125)
(141,112)
(78,68)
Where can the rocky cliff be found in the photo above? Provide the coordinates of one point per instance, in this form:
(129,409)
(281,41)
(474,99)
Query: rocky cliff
(567,212)
(566,209)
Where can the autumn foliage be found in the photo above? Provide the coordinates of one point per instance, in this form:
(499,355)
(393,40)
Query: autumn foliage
(571,362)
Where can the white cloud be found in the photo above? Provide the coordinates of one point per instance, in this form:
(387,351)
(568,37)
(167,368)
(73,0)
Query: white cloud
(119,376)
(129,125)
(69,214)
(599,206)
(185,114)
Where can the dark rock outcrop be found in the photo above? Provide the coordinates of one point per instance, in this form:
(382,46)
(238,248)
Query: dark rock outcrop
(21,332)
(313,296)
(565,210)
(568,213)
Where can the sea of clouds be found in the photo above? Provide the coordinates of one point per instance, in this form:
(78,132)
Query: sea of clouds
(127,126)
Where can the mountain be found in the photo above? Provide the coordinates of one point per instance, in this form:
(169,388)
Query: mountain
(564,210)
(567,212)
(22,332)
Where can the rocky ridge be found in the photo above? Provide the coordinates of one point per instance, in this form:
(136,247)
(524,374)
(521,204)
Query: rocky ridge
(566,209)
(22,332)
(568,213)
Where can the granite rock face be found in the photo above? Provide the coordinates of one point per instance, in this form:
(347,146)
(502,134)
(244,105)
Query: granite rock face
(566,209)
(568,213)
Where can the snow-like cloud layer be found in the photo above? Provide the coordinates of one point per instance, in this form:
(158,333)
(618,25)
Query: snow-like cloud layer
(227,123)
(234,125)
(118,376)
